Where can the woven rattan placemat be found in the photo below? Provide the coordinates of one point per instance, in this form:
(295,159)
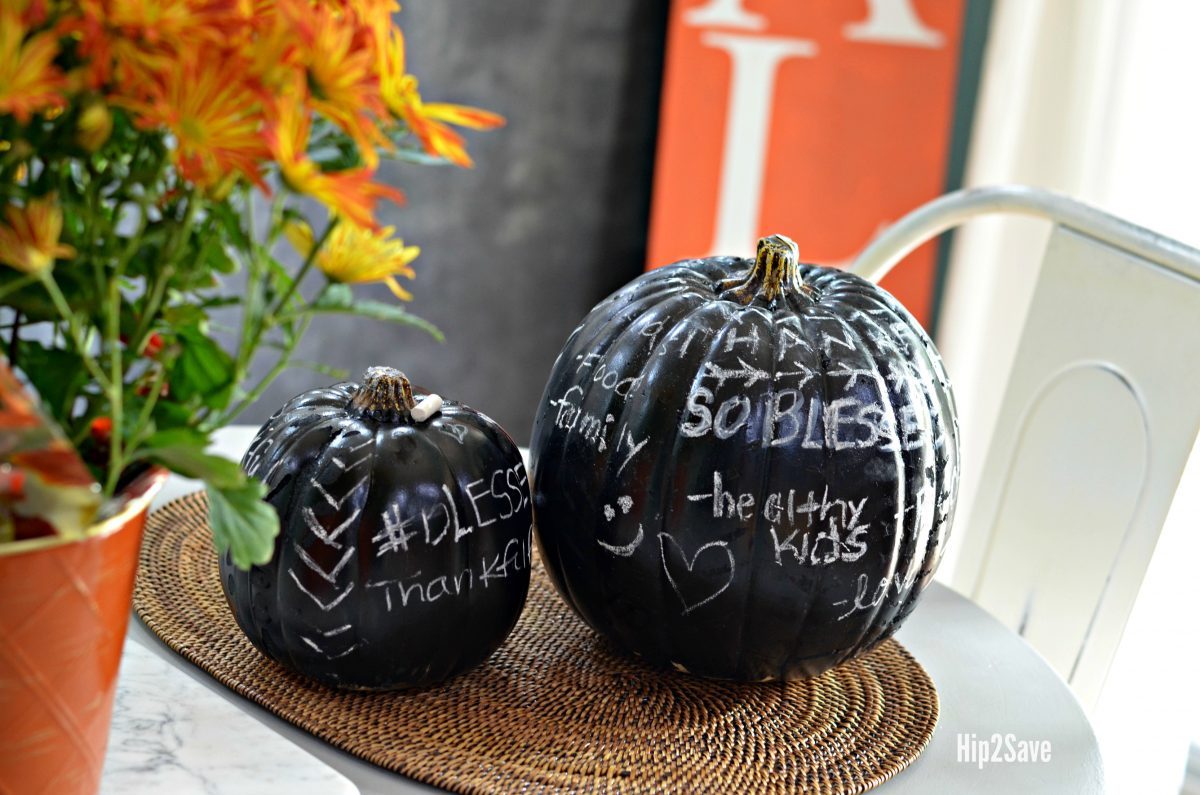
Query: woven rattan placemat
(557,709)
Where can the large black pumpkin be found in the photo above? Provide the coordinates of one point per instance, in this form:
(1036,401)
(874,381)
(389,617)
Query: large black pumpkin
(744,468)
(403,554)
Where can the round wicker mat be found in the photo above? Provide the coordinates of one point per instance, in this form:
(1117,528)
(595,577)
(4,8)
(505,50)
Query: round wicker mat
(557,709)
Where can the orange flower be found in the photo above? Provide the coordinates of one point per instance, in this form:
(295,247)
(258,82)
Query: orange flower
(341,74)
(350,193)
(429,122)
(29,80)
(29,240)
(215,115)
(129,42)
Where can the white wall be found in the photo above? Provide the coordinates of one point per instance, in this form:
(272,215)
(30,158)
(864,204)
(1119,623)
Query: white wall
(1096,99)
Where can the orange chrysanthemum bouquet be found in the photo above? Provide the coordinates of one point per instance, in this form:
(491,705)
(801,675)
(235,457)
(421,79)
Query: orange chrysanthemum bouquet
(137,138)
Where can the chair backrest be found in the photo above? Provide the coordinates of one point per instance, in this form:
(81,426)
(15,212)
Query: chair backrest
(1099,414)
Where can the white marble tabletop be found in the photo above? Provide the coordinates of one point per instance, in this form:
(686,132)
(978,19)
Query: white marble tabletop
(177,730)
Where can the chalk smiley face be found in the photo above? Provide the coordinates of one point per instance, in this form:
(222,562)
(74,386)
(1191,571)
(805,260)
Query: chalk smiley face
(692,578)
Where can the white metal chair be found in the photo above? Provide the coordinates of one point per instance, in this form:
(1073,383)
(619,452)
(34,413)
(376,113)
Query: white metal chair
(1100,412)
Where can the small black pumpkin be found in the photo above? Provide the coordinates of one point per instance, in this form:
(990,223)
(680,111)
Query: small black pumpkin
(744,468)
(403,553)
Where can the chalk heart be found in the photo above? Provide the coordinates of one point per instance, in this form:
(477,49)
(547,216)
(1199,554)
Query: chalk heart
(702,577)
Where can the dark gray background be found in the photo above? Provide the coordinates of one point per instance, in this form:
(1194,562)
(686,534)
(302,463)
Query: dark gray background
(551,219)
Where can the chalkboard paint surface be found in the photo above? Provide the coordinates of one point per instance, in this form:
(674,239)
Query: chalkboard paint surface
(745,478)
(393,528)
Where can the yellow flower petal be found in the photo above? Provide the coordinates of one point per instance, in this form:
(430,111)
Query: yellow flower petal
(29,238)
(358,255)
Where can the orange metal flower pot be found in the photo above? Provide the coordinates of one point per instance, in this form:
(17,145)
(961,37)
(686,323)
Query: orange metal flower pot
(64,607)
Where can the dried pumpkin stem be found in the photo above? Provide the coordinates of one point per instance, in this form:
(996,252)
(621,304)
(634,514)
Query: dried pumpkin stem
(775,270)
(385,395)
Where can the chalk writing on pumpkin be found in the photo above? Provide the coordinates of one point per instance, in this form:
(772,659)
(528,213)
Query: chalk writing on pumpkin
(625,505)
(503,492)
(867,597)
(454,430)
(597,432)
(324,650)
(785,417)
(606,377)
(403,592)
(571,418)
(694,588)
(495,497)
(833,531)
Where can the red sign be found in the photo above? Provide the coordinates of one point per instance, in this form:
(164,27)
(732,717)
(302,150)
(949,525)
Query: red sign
(823,121)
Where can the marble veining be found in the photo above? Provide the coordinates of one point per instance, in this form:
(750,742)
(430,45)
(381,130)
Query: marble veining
(172,734)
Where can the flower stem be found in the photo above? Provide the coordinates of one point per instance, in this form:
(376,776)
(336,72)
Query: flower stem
(81,346)
(304,268)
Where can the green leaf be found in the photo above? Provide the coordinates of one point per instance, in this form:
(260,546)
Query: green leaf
(323,369)
(55,373)
(184,315)
(203,369)
(334,297)
(243,523)
(182,450)
(231,222)
(214,255)
(169,414)
(339,299)
(391,313)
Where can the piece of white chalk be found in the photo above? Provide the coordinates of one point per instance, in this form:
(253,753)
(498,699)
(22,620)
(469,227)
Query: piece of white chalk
(429,405)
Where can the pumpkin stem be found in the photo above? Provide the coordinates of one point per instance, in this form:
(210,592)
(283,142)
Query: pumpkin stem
(775,270)
(385,395)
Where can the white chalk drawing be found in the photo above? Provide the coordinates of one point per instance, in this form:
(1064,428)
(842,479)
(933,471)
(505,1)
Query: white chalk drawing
(338,502)
(724,504)
(747,374)
(416,589)
(864,597)
(653,331)
(325,606)
(454,430)
(852,375)
(394,534)
(845,341)
(867,598)
(370,440)
(329,536)
(625,504)
(788,339)
(750,339)
(496,497)
(625,550)
(570,417)
(331,655)
(605,377)
(504,490)
(328,576)
(690,604)
(687,341)
(805,373)
(786,417)
(269,477)
(633,446)
(831,531)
